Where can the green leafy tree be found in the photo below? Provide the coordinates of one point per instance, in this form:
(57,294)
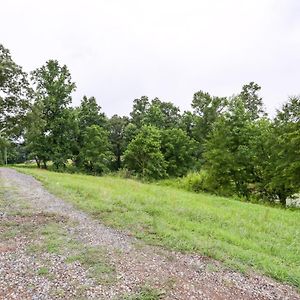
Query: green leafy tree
(89,113)
(143,154)
(286,173)
(15,94)
(263,148)
(188,123)
(117,126)
(5,145)
(228,151)
(156,113)
(178,150)
(53,88)
(140,107)
(16,153)
(207,109)
(96,152)
(36,139)
(253,103)
(130,132)
(162,115)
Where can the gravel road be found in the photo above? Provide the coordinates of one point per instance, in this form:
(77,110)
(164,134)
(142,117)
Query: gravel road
(32,266)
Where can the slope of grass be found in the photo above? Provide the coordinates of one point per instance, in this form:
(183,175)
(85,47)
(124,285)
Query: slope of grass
(242,235)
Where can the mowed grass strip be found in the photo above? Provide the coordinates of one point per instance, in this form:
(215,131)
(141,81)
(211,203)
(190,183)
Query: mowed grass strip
(242,235)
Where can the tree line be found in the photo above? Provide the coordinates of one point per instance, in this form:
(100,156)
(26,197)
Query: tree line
(230,142)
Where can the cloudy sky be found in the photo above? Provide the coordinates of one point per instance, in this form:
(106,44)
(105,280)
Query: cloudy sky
(120,50)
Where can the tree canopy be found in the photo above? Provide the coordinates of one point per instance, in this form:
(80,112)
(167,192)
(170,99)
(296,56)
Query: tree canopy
(230,143)
(14,94)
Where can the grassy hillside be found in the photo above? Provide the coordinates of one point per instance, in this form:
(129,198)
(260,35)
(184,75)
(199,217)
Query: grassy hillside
(242,235)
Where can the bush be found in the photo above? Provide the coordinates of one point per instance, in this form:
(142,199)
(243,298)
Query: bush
(200,181)
(124,173)
(196,181)
(143,156)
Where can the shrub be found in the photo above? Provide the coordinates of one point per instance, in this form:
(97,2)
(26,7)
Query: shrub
(196,181)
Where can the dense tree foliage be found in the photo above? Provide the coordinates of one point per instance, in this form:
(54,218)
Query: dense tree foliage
(139,110)
(286,175)
(143,154)
(162,115)
(86,115)
(178,150)
(35,136)
(229,150)
(52,94)
(252,102)
(14,94)
(207,109)
(117,127)
(226,145)
(89,113)
(95,154)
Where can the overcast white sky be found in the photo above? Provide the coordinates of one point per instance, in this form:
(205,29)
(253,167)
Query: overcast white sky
(120,50)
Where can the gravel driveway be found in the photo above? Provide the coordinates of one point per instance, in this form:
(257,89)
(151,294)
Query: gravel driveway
(50,250)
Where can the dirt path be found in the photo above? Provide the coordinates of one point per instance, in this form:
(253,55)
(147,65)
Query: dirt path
(50,250)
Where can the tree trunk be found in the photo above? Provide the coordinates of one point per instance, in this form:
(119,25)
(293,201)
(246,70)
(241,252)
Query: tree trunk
(38,162)
(282,200)
(44,164)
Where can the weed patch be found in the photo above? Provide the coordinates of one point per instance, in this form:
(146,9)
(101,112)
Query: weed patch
(144,293)
(96,261)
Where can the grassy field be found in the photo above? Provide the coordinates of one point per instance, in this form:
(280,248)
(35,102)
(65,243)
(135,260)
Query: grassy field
(243,235)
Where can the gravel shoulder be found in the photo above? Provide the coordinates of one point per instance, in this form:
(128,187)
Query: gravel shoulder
(51,250)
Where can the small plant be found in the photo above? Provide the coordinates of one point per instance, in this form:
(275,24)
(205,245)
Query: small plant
(95,260)
(124,173)
(145,293)
(193,181)
(43,271)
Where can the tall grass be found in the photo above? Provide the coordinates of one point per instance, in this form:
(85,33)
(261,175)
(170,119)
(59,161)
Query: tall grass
(242,235)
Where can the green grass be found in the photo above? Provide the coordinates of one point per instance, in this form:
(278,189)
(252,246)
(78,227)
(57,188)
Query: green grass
(43,271)
(242,235)
(144,293)
(96,261)
(56,240)
(53,239)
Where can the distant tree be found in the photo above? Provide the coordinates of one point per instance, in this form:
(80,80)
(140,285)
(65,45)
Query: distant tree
(178,150)
(154,116)
(262,147)
(290,112)
(188,123)
(15,94)
(130,132)
(16,153)
(75,135)
(36,139)
(89,113)
(206,110)
(5,145)
(162,115)
(228,151)
(96,152)
(253,103)
(53,88)
(143,154)
(117,126)
(286,174)
(140,107)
